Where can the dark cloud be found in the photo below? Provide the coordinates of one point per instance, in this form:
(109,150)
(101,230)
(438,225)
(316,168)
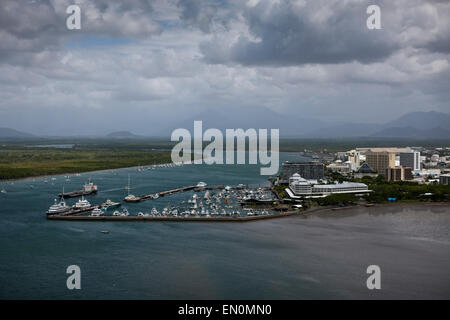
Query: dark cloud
(287,32)
(33,26)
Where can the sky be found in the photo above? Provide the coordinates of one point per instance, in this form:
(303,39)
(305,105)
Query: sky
(150,66)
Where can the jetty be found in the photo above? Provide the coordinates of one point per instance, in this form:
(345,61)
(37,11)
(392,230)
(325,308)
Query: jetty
(171,218)
(161,194)
(73,212)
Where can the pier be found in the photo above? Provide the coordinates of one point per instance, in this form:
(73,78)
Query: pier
(176,219)
(161,194)
(74,212)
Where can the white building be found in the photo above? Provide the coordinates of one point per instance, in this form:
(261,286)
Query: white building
(303,187)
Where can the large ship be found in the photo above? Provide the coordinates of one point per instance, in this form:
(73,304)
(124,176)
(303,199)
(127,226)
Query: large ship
(88,188)
(58,208)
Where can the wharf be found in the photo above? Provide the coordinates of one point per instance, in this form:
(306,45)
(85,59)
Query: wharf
(74,212)
(177,219)
(161,194)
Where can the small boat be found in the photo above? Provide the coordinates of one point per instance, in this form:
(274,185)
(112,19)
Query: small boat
(3,190)
(124,212)
(130,197)
(201,184)
(110,204)
(140,214)
(104,231)
(97,212)
(116,213)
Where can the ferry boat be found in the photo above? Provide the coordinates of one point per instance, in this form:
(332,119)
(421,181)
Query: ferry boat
(110,204)
(88,188)
(58,208)
(82,204)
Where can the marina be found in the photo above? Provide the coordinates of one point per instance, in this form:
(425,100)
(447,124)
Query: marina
(296,252)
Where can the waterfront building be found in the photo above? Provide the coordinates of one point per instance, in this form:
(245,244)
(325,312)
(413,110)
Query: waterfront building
(340,167)
(410,159)
(302,187)
(308,170)
(380,161)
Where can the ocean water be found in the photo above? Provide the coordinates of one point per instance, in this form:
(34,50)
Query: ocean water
(322,256)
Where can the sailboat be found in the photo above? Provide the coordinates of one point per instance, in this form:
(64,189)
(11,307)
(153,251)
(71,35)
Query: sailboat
(130,197)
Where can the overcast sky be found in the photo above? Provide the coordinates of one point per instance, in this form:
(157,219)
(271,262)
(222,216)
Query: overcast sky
(147,65)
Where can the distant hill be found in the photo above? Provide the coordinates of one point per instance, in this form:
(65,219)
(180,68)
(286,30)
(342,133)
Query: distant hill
(410,132)
(417,125)
(8,133)
(421,120)
(123,135)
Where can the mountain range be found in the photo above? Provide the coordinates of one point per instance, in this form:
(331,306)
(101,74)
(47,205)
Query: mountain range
(414,125)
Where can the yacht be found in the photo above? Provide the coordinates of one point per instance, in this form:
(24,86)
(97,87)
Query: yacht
(201,184)
(82,204)
(124,212)
(97,212)
(3,190)
(130,197)
(58,208)
(110,204)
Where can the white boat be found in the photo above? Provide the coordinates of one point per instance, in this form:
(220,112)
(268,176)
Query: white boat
(110,204)
(116,213)
(82,204)
(124,213)
(201,184)
(140,214)
(155,196)
(58,208)
(3,190)
(97,212)
(130,197)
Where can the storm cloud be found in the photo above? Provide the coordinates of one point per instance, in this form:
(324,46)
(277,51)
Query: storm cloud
(169,61)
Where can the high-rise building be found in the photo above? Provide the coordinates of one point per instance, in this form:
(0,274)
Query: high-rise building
(354,157)
(307,170)
(380,161)
(398,174)
(410,159)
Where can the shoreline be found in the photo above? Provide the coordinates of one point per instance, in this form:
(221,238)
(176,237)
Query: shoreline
(74,173)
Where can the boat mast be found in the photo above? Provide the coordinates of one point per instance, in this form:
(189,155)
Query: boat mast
(128,184)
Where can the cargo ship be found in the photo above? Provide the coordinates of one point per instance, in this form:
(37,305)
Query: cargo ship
(88,188)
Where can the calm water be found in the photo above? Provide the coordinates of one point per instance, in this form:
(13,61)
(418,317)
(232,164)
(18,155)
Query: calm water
(323,256)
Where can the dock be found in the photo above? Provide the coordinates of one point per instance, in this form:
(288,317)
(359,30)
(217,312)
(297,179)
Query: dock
(161,194)
(171,218)
(74,212)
